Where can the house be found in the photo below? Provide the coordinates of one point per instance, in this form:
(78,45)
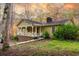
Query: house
(33,28)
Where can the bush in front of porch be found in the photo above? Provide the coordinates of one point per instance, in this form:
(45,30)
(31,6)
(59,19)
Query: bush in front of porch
(46,35)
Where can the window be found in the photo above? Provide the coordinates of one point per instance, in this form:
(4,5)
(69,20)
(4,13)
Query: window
(29,29)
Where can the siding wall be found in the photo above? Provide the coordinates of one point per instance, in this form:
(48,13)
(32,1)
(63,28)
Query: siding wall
(48,29)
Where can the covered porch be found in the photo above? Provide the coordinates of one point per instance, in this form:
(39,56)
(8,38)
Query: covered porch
(31,31)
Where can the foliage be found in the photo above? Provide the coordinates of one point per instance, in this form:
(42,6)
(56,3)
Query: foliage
(5,47)
(46,35)
(66,31)
(15,38)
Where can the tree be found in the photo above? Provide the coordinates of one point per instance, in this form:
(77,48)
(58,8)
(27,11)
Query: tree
(8,25)
(69,14)
(54,10)
(28,11)
(71,11)
(40,13)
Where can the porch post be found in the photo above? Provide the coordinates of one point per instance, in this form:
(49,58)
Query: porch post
(36,30)
(26,30)
(40,30)
(32,31)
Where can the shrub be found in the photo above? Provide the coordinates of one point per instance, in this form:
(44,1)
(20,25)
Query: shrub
(15,38)
(67,31)
(5,47)
(46,35)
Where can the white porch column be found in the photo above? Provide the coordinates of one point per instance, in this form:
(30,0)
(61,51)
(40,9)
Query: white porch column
(36,30)
(32,31)
(40,30)
(26,31)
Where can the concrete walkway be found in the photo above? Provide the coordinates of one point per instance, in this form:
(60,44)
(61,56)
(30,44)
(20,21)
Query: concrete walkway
(17,43)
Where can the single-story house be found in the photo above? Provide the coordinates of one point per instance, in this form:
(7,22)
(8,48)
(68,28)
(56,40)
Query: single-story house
(33,28)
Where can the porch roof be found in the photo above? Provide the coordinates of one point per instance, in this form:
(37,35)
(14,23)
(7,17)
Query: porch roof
(55,22)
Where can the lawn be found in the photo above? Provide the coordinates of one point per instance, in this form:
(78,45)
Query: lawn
(45,48)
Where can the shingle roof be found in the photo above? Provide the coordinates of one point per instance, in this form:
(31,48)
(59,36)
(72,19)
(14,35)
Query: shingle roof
(55,22)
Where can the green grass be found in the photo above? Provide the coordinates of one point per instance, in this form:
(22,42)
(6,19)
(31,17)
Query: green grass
(46,47)
(63,45)
(55,47)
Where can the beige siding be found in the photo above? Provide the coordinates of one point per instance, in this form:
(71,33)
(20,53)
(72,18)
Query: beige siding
(24,24)
(76,21)
(48,29)
(24,32)
(69,22)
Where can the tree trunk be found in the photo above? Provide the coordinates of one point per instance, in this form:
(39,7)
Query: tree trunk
(7,31)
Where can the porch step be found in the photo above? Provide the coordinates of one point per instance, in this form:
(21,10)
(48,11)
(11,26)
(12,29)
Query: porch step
(24,38)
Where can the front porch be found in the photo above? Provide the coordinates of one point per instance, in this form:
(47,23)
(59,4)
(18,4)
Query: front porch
(31,31)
